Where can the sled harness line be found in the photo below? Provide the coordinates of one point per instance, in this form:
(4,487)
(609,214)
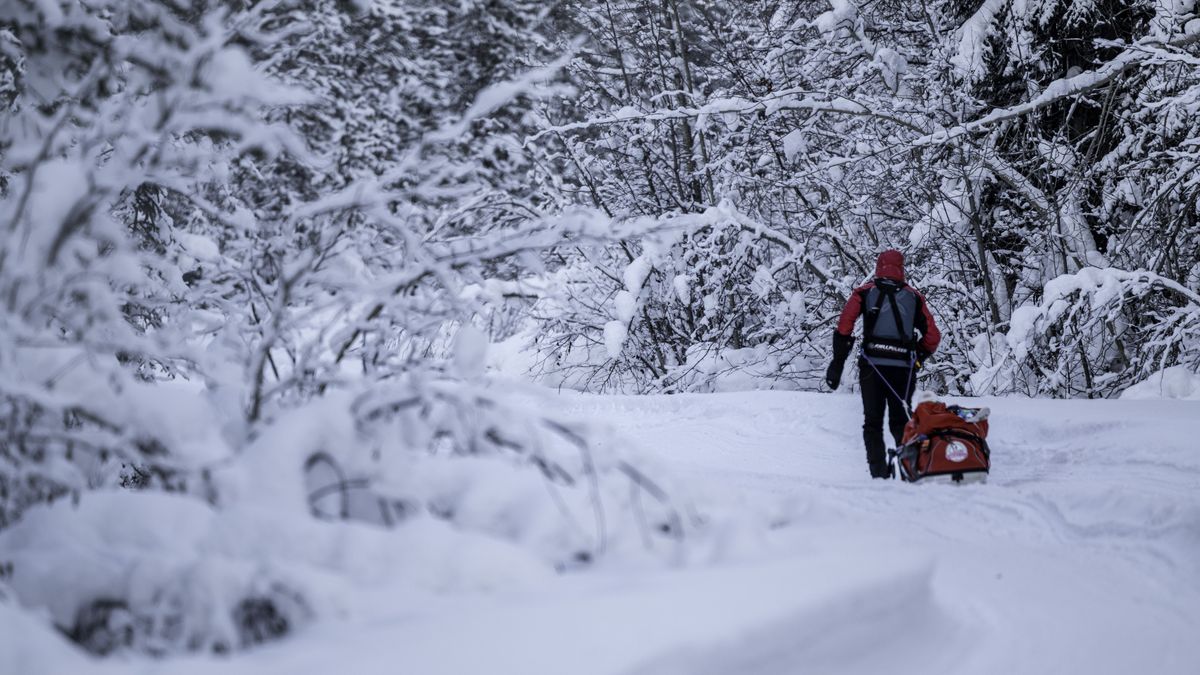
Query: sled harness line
(907,382)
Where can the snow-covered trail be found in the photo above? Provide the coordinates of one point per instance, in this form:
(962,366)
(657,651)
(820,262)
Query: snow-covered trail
(1081,554)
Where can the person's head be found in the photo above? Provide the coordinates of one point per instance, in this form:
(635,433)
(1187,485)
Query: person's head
(890,265)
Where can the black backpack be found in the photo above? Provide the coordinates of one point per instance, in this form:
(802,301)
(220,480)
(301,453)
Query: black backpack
(891,341)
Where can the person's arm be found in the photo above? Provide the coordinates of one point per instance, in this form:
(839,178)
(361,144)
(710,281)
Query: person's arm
(850,314)
(843,341)
(931,337)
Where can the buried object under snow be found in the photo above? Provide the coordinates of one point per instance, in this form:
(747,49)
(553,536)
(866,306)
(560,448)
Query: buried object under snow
(946,441)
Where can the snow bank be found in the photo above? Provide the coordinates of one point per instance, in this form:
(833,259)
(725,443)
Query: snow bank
(891,608)
(29,646)
(182,415)
(178,575)
(1078,555)
(1176,382)
(172,573)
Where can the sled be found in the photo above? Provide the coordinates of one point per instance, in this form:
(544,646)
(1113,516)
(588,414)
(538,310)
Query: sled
(943,443)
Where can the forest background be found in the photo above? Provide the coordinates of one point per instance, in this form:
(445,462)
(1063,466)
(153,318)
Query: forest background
(221,221)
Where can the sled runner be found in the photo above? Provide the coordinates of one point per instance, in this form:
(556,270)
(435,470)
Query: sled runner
(946,441)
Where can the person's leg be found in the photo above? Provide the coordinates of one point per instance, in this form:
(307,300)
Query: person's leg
(900,380)
(874,397)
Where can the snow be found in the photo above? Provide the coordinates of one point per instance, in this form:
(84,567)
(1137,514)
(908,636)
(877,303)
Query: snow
(1101,285)
(58,186)
(969,61)
(763,282)
(199,246)
(973,36)
(48,544)
(798,307)
(794,144)
(496,96)
(1079,555)
(949,213)
(32,647)
(892,66)
(174,555)
(626,301)
(842,14)
(286,333)
(636,273)
(1176,382)
(918,234)
(783,100)
(615,333)
(178,413)
(470,350)
(682,285)
(625,304)
(231,72)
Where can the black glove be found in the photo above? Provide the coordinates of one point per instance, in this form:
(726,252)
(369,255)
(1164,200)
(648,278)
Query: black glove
(833,374)
(841,349)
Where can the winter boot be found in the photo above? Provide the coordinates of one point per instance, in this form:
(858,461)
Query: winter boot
(877,462)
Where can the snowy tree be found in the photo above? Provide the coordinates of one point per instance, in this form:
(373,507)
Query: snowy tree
(1064,119)
(98,307)
(217,283)
(998,155)
(794,123)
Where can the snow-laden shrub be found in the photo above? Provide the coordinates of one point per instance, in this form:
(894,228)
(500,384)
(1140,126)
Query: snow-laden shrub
(498,492)
(110,98)
(198,302)
(122,570)
(489,460)
(679,311)
(1095,333)
(30,645)
(1176,382)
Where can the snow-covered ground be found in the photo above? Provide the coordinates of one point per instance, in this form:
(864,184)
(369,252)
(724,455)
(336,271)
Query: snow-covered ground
(1081,554)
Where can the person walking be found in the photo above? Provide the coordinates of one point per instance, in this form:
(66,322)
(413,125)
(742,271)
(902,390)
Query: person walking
(894,314)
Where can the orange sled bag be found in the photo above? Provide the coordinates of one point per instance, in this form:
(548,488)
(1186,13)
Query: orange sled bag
(941,440)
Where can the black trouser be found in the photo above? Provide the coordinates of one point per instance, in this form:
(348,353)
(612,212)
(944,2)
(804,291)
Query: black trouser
(877,395)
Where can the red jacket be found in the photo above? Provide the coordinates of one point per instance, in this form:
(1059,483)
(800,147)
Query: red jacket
(891,266)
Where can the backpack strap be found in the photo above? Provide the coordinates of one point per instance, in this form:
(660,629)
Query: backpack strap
(871,315)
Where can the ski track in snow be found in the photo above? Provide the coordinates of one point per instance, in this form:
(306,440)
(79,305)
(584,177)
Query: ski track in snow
(1081,554)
